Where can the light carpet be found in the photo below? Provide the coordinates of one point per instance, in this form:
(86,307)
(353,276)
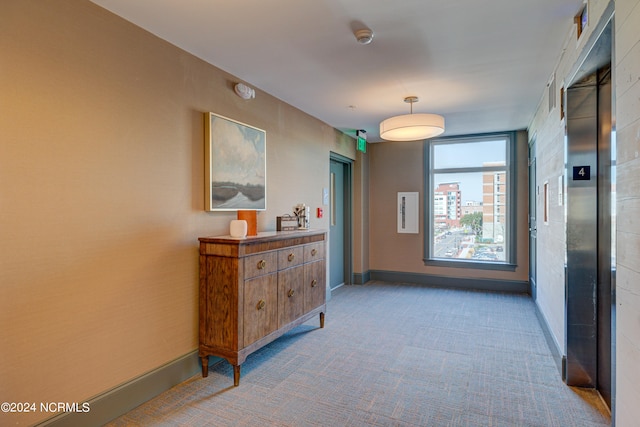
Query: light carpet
(391,355)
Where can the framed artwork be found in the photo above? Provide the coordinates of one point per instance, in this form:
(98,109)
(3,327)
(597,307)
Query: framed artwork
(235,165)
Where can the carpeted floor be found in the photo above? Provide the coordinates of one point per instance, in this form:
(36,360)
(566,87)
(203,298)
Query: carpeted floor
(391,355)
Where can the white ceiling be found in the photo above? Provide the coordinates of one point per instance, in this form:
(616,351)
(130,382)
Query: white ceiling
(483,65)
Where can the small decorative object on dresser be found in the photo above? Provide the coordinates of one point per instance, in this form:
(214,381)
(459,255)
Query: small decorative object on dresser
(251,217)
(254,290)
(238,228)
(287,223)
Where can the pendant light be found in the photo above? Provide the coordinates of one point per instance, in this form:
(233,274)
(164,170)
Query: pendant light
(411,127)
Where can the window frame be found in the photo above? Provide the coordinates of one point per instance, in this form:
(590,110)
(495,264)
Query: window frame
(509,264)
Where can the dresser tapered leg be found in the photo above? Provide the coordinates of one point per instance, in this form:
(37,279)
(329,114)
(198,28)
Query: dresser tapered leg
(322,320)
(236,375)
(205,366)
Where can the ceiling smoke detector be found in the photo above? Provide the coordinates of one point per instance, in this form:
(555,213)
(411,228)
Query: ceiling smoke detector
(244,91)
(364,36)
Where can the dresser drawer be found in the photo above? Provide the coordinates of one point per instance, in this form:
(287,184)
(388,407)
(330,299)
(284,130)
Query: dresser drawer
(314,252)
(290,257)
(257,265)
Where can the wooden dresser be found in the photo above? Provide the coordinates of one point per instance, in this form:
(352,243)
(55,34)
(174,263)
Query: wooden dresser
(255,289)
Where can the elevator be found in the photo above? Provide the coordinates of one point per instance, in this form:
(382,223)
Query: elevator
(590,221)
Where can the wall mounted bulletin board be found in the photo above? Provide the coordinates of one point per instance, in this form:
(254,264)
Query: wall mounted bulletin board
(235,165)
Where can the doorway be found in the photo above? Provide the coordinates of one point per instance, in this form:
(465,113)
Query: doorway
(590,287)
(339,221)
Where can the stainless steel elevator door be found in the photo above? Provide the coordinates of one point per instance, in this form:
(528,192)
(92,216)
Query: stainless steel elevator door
(582,239)
(588,271)
(604,296)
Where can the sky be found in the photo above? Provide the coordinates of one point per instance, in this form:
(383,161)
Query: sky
(237,152)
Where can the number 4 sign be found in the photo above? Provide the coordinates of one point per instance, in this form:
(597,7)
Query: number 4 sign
(581,173)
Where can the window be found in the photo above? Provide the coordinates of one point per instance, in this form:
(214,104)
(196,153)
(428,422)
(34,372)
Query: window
(474,172)
(581,20)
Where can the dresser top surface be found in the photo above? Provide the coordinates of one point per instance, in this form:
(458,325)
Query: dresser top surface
(262,236)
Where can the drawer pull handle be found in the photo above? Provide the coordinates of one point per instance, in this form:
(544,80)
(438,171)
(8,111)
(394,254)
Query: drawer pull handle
(291,257)
(314,282)
(261,304)
(290,293)
(262,264)
(314,252)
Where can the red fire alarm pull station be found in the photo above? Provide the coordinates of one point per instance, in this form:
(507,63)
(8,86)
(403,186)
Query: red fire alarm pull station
(320,212)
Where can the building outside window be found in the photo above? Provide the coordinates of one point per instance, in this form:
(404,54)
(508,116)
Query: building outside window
(468,183)
(446,205)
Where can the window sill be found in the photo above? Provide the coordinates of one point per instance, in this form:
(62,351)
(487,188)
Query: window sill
(477,265)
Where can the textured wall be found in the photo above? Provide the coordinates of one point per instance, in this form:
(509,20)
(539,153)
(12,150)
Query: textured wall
(551,241)
(627,63)
(101,196)
(361,213)
(548,131)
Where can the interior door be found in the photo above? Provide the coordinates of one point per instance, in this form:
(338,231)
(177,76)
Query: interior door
(337,225)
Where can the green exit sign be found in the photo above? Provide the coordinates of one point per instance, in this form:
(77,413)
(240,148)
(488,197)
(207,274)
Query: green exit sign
(361,141)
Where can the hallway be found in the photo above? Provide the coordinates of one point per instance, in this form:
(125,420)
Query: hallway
(391,354)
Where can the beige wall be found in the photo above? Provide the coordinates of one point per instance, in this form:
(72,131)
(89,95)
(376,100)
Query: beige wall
(397,167)
(101,195)
(627,78)
(361,213)
(101,198)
